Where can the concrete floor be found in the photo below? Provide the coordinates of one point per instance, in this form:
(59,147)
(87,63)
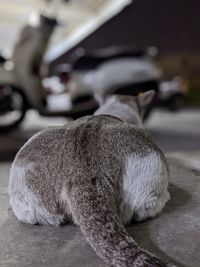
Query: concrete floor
(175,234)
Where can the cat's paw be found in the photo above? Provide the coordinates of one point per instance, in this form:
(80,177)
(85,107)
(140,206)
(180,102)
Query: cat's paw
(151,207)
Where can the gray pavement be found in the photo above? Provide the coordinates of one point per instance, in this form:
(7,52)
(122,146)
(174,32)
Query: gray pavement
(175,234)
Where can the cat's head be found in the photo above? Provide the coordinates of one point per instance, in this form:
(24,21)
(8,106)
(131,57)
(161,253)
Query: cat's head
(138,103)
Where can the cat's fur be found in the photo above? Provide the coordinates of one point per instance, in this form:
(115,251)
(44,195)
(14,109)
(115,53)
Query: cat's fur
(99,171)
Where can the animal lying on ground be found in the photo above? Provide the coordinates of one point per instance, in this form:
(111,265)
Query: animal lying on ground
(100,171)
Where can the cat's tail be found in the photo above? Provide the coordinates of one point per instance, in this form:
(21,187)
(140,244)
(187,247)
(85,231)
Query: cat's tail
(94,208)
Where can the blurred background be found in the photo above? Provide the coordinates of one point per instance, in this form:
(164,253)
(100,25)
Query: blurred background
(59,58)
(56,55)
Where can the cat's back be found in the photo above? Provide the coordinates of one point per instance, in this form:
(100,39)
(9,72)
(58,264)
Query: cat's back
(115,135)
(82,145)
(104,139)
(95,135)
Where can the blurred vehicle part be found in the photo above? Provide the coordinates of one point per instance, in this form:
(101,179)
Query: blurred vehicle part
(12,107)
(79,19)
(120,70)
(172,92)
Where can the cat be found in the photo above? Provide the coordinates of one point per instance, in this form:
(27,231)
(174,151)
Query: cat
(99,171)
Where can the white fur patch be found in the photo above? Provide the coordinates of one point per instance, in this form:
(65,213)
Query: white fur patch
(144,187)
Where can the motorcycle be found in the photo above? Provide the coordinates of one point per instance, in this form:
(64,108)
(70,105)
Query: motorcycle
(89,77)
(22,79)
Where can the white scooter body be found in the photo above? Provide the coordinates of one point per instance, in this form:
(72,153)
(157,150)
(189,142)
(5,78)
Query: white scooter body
(113,74)
(27,61)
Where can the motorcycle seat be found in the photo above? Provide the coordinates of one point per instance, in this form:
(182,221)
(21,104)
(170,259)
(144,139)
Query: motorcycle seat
(84,60)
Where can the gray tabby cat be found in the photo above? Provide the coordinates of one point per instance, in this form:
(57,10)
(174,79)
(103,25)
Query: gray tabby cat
(99,171)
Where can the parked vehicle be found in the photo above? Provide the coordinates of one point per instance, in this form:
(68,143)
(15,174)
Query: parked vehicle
(120,70)
(90,76)
(21,78)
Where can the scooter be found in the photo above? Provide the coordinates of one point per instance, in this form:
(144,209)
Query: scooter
(90,76)
(22,79)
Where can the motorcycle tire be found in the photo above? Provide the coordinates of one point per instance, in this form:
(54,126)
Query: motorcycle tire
(12,102)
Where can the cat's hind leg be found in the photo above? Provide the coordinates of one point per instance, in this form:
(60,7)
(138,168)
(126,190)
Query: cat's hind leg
(29,206)
(145,184)
(22,208)
(27,209)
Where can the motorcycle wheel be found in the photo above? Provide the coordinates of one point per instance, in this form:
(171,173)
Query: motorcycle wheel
(12,107)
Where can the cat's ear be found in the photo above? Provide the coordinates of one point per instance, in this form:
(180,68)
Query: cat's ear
(146,98)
